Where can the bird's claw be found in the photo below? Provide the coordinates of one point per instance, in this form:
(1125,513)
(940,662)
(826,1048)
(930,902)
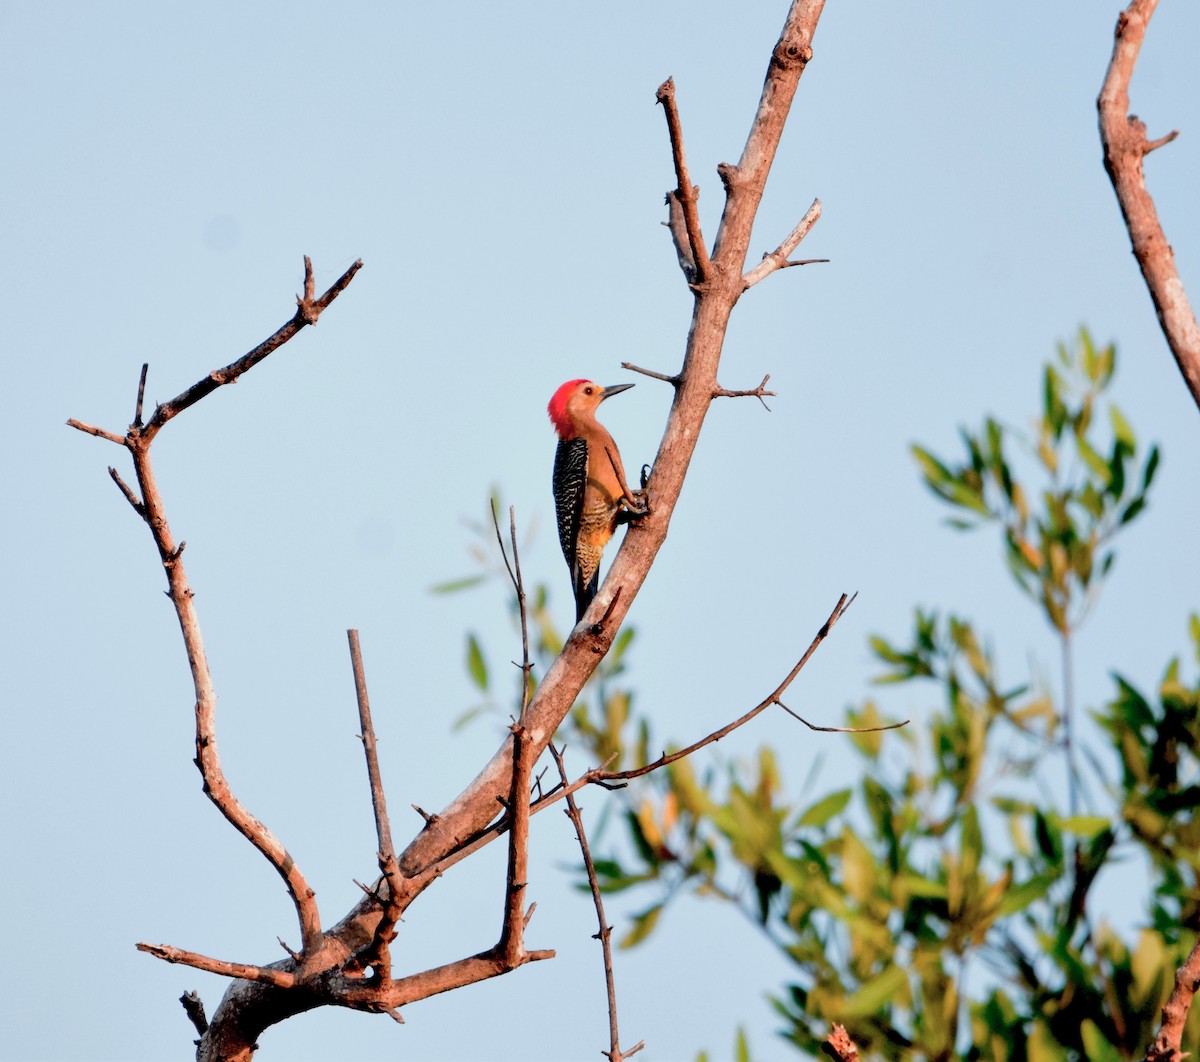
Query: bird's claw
(641,503)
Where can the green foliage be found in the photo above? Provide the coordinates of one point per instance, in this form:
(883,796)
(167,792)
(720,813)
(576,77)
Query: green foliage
(1058,551)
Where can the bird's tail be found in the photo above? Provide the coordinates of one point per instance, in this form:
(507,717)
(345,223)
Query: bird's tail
(584,593)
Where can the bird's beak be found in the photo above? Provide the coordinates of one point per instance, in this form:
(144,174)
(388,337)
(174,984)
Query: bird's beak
(616,389)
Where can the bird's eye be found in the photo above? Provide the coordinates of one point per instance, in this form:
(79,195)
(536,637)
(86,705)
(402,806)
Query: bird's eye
(587,390)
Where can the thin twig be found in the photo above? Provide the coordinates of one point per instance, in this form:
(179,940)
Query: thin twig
(614,1053)
(685,192)
(760,392)
(839,610)
(383,828)
(100,433)
(137,411)
(841,729)
(384,932)
(778,258)
(125,489)
(514,574)
(677,226)
(244,971)
(307,312)
(672,380)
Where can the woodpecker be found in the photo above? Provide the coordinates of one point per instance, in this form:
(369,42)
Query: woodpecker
(591,496)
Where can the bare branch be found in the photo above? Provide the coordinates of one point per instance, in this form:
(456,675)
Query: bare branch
(511,946)
(100,433)
(778,258)
(672,380)
(193,1007)
(760,392)
(264,974)
(685,193)
(677,225)
(125,489)
(1167,1045)
(385,930)
(841,729)
(307,312)
(383,827)
(514,574)
(604,935)
(137,410)
(1123,137)
(207,759)
(839,610)
(744,183)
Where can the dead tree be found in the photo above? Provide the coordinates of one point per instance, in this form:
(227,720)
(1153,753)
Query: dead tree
(349,964)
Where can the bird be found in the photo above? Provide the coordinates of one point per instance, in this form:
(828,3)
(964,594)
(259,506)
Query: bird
(591,496)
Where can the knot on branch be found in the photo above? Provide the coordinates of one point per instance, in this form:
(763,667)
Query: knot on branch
(730,175)
(791,54)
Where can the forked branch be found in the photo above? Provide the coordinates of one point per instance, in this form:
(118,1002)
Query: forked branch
(150,507)
(693,255)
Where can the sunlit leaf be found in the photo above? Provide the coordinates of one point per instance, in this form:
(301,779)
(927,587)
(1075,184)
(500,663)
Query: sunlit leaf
(1084,825)
(823,810)
(476,667)
(1121,428)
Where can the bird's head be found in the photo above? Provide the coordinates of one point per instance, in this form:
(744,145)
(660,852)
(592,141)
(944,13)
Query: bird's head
(576,400)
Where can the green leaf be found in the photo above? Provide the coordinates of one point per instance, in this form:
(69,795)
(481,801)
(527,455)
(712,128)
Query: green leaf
(1048,838)
(1053,410)
(643,926)
(741,1052)
(824,810)
(1122,429)
(1094,461)
(1150,469)
(1084,825)
(1097,1045)
(452,586)
(1018,897)
(476,667)
(1131,511)
(876,993)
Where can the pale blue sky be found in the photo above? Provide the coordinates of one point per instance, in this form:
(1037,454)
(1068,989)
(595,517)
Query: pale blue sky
(500,170)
